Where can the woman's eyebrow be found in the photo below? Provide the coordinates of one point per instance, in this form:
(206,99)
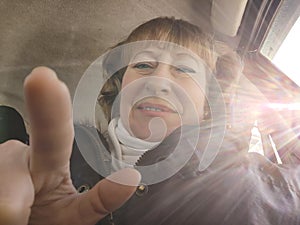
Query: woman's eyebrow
(151,55)
(145,53)
(189,57)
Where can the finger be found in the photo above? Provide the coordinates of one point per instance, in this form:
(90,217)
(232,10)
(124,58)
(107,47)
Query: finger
(14,174)
(50,114)
(108,195)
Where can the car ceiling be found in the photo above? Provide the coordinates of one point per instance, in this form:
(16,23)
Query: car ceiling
(69,35)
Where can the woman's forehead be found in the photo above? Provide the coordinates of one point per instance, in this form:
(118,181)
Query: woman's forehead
(167,53)
(157,53)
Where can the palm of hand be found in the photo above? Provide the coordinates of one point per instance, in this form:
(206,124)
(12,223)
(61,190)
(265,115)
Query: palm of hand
(36,185)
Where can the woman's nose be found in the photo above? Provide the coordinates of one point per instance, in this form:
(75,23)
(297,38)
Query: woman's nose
(159,82)
(158,85)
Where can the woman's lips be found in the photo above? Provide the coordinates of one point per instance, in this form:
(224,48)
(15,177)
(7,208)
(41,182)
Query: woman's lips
(155,108)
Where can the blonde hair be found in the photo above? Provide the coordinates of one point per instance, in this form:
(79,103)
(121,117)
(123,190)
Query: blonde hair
(166,29)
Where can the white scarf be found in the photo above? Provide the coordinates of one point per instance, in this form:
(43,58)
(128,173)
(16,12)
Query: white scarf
(126,149)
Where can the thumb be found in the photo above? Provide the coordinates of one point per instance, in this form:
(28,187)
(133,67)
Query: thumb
(117,188)
(108,195)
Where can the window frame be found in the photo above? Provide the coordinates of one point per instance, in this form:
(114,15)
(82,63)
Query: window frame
(259,70)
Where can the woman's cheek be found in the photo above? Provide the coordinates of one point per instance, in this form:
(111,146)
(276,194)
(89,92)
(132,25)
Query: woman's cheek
(194,110)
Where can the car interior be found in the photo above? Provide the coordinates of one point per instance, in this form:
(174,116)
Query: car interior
(68,36)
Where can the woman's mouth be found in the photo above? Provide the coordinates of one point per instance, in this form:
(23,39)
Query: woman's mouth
(155,108)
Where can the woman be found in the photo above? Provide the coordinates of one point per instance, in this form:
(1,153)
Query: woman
(162,90)
(161,122)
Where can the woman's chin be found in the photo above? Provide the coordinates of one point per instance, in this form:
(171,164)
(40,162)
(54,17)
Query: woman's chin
(154,134)
(151,136)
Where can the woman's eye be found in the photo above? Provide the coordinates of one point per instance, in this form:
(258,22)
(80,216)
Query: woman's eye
(143,66)
(184,69)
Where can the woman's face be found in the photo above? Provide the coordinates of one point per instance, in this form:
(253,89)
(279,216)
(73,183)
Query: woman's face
(162,89)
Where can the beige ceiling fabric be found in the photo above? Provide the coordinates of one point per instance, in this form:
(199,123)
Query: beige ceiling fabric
(68,36)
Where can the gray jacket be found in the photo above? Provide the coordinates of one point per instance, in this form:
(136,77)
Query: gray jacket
(235,188)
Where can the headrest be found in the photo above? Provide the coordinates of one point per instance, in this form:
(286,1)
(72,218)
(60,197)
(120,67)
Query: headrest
(12,125)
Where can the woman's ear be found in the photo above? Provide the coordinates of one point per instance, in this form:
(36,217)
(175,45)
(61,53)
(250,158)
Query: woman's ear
(109,92)
(228,70)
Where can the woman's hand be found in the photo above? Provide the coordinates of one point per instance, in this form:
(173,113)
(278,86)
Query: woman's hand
(36,187)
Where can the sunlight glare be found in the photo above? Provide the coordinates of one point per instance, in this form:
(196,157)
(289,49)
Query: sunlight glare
(287,59)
